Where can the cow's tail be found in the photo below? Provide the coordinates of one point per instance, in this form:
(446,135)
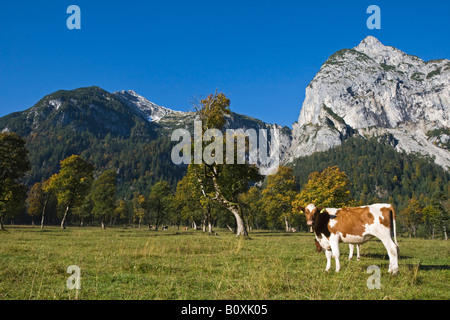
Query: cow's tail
(393,228)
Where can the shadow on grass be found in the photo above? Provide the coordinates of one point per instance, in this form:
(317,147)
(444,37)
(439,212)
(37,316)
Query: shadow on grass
(279,234)
(413,266)
(154,233)
(429,267)
(382,256)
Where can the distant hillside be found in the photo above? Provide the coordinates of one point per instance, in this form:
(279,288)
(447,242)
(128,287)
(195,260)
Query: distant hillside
(100,127)
(121,131)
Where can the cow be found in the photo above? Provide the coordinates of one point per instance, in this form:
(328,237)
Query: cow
(184,229)
(353,225)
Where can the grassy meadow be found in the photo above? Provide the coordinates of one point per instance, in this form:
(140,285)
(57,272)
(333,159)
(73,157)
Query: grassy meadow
(119,263)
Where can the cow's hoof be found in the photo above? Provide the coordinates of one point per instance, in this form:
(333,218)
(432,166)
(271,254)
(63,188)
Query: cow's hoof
(395,271)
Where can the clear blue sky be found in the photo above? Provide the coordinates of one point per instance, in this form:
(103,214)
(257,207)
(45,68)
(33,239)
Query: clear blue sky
(261,54)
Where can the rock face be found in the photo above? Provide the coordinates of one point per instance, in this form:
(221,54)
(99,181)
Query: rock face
(377,90)
(150,110)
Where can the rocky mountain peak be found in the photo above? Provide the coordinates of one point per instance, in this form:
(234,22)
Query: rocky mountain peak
(370,46)
(372,90)
(387,55)
(150,110)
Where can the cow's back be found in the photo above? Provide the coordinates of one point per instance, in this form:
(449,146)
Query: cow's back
(359,223)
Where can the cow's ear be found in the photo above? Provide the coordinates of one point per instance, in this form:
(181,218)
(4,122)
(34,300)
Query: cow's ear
(301,209)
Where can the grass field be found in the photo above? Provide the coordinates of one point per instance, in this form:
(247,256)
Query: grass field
(119,263)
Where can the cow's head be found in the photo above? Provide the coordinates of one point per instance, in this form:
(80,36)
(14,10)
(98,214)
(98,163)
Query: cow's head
(311,214)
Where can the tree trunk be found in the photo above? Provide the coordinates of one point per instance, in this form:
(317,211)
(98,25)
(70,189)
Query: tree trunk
(445,233)
(204,226)
(233,208)
(42,221)
(103,223)
(43,214)
(63,221)
(2,227)
(204,221)
(210,226)
(287,224)
(241,230)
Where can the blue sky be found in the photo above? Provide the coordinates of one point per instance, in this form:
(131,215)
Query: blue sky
(261,54)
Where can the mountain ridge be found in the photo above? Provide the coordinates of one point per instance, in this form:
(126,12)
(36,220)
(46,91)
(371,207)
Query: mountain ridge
(375,91)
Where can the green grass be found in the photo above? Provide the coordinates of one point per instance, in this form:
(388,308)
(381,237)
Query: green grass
(130,263)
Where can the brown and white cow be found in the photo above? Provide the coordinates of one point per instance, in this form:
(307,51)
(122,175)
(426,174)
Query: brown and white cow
(354,226)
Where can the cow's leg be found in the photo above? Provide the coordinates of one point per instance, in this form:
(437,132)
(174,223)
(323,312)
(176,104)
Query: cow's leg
(350,255)
(358,247)
(334,243)
(392,251)
(328,255)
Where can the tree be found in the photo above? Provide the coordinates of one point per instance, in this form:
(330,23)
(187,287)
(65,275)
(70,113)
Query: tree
(84,209)
(48,195)
(159,202)
(187,197)
(139,205)
(431,217)
(14,202)
(329,188)
(72,184)
(227,180)
(252,208)
(14,164)
(278,195)
(121,211)
(103,195)
(36,199)
(435,214)
(412,215)
(193,205)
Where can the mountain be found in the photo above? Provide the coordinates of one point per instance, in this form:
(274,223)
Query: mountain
(122,131)
(101,127)
(375,90)
(85,109)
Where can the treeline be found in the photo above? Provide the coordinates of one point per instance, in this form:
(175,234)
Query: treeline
(227,196)
(139,164)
